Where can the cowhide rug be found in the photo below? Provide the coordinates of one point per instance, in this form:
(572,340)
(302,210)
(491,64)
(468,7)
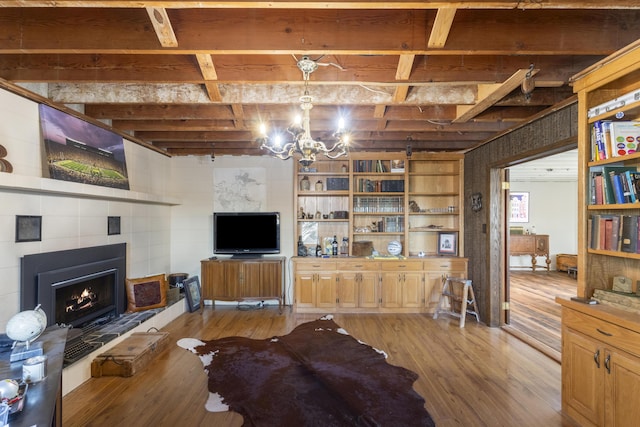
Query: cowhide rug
(318,375)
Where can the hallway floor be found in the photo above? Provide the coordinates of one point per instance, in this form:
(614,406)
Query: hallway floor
(535,316)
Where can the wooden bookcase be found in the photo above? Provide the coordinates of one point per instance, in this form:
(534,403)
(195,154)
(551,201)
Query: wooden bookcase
(379,198)
(600,352)
(597,89)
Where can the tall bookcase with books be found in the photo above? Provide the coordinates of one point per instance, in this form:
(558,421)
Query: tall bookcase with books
(372,199)
(379,202)
(609,190)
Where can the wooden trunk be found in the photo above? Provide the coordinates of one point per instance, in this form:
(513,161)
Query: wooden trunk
(131,355)
(564,261)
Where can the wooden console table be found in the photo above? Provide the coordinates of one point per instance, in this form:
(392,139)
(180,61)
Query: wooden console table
(534,245)
(43,404)
(230,279)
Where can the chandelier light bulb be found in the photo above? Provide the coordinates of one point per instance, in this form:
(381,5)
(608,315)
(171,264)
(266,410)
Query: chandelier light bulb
(277,141)
(263,129)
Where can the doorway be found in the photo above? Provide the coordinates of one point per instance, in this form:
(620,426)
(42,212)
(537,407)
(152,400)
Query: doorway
(546,192)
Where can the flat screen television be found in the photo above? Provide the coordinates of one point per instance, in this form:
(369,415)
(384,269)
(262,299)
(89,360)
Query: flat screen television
(246,234)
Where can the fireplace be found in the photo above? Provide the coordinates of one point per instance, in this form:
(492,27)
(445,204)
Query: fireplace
(75,287)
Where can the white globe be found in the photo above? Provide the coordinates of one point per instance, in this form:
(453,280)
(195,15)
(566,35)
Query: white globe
(27,325)
(394,247)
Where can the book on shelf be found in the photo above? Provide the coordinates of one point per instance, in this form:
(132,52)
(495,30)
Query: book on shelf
(625,136)
(613,184)
(614,139)
(619,233)
(629,235)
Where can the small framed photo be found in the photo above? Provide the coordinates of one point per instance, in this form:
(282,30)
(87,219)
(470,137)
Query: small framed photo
(113,225)
(28,228)
(397,165)
(448,243)
(192,292)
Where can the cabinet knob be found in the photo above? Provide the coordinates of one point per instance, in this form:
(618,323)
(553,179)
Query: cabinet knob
(596,358)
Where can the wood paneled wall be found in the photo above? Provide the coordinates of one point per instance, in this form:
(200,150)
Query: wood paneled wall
(552,131)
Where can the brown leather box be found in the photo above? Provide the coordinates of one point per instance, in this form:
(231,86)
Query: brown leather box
(130,356)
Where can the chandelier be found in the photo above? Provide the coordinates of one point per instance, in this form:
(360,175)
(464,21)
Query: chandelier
(302,143)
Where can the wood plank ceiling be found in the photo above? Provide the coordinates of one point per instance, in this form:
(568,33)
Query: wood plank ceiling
(197,77)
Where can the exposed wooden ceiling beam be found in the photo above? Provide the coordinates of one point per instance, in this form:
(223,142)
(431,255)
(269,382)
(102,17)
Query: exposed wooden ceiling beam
(441,27)
(336,4)
(162,26)
(208,71)
(488,95)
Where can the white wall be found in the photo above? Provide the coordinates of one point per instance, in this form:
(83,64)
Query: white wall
(192,221)
(75,215)
(553,210)
(166,217)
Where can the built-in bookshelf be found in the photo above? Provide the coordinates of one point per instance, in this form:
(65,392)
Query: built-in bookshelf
(372,199)
(608,114)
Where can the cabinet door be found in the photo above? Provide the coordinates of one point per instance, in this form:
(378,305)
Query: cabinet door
(348,289)
(412,289)
(305,289)
(213,282)
(622,381)
(271,279)
(391,290)
(433,289)
(368,290)
(583,361)
(249,279)
(326,290)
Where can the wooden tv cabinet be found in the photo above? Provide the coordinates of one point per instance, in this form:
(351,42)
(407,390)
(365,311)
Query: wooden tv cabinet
(231,279)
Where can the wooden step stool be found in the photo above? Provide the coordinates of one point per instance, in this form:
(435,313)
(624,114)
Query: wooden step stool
(457,295)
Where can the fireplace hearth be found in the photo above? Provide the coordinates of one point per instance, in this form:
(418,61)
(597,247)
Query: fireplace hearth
(83,289)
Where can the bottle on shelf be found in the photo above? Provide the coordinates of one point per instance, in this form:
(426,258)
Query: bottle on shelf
(305,184)
(318,250)
(302,249)
(344,248)
(334,246)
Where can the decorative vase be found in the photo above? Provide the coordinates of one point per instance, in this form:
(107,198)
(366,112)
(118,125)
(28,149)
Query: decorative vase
(305,184)
(319,185)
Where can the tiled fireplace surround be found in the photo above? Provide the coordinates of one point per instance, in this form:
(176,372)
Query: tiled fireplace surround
(103,327)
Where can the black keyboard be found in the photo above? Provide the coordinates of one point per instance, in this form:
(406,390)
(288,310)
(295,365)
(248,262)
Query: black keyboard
(76,349)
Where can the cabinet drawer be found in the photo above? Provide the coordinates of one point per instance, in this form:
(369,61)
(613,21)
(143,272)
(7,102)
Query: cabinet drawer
(447,264)
(358,266)
(401,266)
(315,266)
(606,332)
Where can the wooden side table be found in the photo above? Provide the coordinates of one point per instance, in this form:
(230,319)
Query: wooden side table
(534,245)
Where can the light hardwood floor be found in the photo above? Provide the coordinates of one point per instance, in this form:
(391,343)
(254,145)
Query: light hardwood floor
(475,376)
(535,316)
